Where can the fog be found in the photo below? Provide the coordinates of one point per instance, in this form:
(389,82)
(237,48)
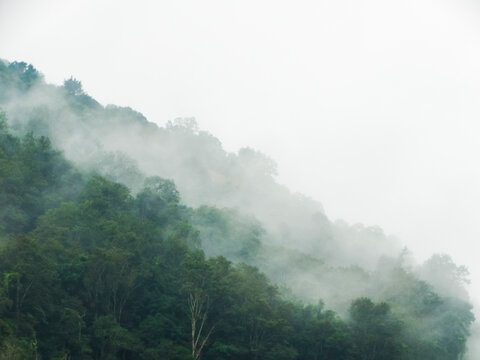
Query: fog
(368,107)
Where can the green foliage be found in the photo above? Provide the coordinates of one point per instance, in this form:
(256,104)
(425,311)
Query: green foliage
(16,77)
(89,270)
(227,232)
(434,327)
(376,330)
(79,100)
(33,178)
(73,87)
(321,334)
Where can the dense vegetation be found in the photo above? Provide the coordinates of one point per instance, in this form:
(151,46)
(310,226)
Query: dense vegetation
(92,268)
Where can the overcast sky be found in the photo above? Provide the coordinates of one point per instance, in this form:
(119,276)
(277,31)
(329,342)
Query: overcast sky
(371,107)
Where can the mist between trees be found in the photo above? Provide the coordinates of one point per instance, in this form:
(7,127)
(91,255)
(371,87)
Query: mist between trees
(120,239)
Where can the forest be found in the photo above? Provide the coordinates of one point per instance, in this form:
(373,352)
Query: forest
(121,239)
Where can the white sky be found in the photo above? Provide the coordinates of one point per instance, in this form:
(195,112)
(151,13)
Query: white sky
(371,107)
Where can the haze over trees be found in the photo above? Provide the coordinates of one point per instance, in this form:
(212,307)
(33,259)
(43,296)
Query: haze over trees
(120,239)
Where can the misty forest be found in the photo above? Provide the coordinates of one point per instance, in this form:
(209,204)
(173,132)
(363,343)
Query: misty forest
(121,239)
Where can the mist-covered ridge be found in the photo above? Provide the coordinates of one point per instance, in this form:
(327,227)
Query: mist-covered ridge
(138,227)
(120,143)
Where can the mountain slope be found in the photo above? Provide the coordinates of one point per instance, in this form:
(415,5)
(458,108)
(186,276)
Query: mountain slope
(228,204)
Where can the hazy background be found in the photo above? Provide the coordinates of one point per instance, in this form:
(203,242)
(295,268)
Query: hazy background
(371,107)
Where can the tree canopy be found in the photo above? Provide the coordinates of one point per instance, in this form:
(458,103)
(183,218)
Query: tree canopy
(103,255)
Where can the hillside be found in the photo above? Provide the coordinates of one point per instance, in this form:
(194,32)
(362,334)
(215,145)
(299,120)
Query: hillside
(135,234)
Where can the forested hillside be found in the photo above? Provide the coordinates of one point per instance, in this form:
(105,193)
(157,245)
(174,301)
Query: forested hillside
(133,241)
